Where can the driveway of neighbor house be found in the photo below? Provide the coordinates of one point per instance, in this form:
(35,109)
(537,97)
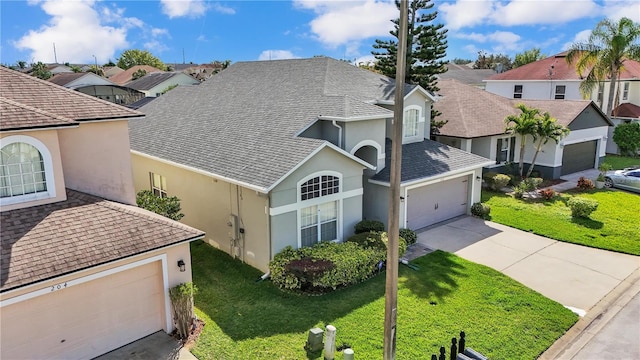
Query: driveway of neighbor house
(573,275)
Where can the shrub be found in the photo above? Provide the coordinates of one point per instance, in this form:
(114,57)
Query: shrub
(165,206)
(368,226)
(378,241)
(488,178)
(582,207)
(336,265)
(627,137)
(409,236)
(532,183)
(547,194)
(585,184)
(500,181)
(181,297)
(480,210)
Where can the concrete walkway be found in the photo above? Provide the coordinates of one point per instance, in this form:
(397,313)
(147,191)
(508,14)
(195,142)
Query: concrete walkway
(576,276)
(571,180)
(157,346)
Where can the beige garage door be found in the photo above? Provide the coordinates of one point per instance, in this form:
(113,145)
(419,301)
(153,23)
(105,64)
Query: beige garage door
(85,320)
(441,201)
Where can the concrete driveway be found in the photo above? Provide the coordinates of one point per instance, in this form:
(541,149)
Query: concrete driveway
(573,275)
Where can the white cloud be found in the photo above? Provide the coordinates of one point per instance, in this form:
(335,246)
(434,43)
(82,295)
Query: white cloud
(617,9)
(348,22)
(503,37)
(223,9)
(365,60)
(67,17)
(581,37)
(469,13)
(276,55)
(180,8)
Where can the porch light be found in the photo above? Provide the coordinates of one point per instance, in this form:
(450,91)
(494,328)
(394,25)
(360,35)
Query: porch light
(182,265)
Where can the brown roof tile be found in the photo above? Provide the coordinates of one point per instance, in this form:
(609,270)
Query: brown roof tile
(627,110)
(125,76)
(54,99)
(63,79)
(50,240)
(15,116)
(472,112)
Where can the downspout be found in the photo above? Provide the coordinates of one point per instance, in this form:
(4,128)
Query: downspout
(339,134)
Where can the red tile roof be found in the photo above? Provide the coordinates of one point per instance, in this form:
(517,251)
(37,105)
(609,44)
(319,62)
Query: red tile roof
(27,92)
(51,240)
(556,67)
(125,76)
(627,110)
(472,112)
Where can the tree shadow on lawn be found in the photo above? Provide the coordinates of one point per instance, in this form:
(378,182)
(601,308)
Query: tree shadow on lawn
(587,222)
(436,278)
(243,308)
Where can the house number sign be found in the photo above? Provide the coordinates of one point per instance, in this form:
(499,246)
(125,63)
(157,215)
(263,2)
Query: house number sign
(58,286)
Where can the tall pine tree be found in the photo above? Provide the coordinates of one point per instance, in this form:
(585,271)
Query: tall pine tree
(426,45)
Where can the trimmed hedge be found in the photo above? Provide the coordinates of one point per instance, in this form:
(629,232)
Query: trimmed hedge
(323,267)
(368,226)
(481,210)
(377,240)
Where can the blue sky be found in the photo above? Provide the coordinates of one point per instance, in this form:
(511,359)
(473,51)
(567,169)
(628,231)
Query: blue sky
(260,30)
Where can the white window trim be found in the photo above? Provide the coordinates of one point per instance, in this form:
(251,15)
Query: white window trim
(163,192)
(507,141)
(48,170)
(300,204)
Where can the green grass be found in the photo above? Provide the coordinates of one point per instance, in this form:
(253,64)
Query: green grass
(249,320)
(620,162)
(613,226)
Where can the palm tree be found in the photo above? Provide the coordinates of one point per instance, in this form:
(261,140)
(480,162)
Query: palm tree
(610,44)
(546,129)
(523,125)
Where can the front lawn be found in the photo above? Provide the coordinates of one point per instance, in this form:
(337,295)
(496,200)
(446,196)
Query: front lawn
(620,162)
(613,226)
(250,320)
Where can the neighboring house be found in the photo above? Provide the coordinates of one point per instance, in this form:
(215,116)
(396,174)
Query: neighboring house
(476,123)
(269,154)
(467,74)
(122,78)
(110,71)
(94,85)
(156,83)
(554,78)
(83,269)
(59,68)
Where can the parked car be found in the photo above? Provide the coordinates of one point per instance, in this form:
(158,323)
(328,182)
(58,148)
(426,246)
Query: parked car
(628,179)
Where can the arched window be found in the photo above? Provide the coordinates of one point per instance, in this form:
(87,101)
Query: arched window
(319,220)
(25,170)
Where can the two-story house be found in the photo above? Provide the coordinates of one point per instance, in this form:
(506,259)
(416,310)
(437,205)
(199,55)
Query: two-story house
(83,269)
(553,78)
(269,154)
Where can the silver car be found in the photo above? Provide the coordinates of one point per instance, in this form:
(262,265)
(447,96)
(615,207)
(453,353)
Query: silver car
(628,179)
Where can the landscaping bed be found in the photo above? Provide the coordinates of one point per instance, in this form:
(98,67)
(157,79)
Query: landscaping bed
(246,319)
(613,226)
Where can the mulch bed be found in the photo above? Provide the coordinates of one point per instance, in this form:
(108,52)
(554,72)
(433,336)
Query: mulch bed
(190,341)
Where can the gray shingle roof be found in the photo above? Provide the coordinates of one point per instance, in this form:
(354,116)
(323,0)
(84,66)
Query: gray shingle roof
(151,80)
(427,159)
(242,123)
(42,242)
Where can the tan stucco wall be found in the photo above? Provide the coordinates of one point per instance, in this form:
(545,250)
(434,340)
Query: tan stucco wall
(48,138)
(96,160)
(41,316)
(208,203)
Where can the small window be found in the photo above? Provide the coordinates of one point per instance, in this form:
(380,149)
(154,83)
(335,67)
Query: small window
(22,170)
(158,185)
(517,91)
(410,124)
(600,94)
(560,89)
(504,150)
(625,91)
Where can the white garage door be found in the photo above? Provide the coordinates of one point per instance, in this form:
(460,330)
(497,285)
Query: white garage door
(86,320)
(441,201)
